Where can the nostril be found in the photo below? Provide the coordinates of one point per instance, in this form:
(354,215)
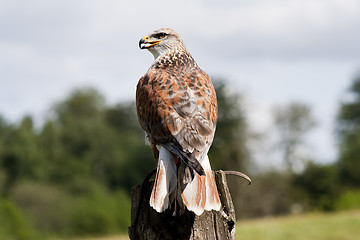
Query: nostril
(141,42)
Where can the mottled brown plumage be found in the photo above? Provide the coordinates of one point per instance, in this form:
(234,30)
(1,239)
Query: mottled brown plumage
(176,102)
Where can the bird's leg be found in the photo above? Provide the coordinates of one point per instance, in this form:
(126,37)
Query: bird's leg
(155,152)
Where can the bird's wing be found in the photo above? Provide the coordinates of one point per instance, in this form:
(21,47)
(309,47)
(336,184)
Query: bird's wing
(178,112)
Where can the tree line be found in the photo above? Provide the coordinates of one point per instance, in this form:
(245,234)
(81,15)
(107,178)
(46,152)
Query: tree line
(72,175)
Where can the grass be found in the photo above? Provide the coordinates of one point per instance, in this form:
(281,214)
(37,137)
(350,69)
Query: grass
(319,226)
(122,237)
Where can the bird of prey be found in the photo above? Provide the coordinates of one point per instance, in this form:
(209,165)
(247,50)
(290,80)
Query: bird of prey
(177,108)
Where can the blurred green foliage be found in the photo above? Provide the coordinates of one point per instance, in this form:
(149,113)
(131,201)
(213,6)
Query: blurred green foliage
(336,186)
(349,136)
(292,122)
(229,151)
(348,200)
(14,225)
(318,186)
(72,175)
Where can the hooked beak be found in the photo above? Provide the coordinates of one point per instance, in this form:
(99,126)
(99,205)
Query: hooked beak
(145,43)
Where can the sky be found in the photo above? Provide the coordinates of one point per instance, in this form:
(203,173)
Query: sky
(273,52)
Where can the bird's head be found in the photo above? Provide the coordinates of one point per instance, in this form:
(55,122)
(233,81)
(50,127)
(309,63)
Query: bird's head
(162,41)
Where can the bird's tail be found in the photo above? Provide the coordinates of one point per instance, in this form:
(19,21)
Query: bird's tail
(197,195)
(201,193)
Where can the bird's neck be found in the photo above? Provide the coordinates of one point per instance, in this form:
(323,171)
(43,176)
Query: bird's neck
(178,57)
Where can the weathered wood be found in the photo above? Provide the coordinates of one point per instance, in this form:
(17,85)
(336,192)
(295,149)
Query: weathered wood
(148,224)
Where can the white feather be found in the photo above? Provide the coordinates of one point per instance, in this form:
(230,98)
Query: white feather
(165,181)
(212,195)
(201,194)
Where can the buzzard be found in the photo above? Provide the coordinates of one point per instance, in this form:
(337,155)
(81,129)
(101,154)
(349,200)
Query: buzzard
(177,108)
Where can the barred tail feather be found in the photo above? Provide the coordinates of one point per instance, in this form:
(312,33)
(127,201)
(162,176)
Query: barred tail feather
(201,193)
(212,195)
(165,181)
(194,194)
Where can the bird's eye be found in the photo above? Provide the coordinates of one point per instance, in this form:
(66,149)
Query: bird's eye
(160,35)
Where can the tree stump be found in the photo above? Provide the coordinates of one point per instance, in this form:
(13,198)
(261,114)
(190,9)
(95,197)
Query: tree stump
(148,224)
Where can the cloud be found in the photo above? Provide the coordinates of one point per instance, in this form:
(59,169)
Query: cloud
(272,50)
(284,29)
